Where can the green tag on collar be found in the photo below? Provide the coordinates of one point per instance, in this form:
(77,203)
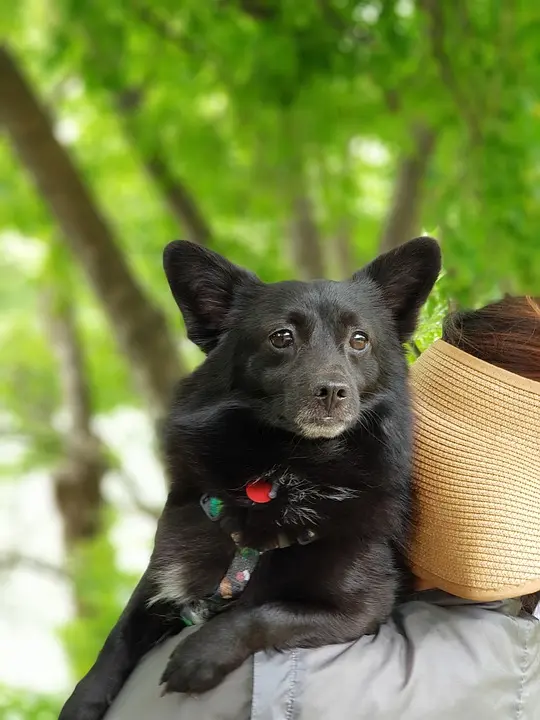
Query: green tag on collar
(215,507)
(212,506)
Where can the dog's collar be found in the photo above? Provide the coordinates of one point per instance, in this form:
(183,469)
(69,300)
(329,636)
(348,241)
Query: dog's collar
(213,509)
(239,572)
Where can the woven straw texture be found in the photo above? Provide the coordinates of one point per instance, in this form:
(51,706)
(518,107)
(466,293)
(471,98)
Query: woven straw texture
(477,476)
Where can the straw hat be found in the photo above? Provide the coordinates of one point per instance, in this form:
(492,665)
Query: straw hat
(477,477)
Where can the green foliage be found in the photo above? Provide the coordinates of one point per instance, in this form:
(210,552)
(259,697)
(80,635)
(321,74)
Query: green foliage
(101,593)
(25,705)
(431,317)
(29,390)
(244,105)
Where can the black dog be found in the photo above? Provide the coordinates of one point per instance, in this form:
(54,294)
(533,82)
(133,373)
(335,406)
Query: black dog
(293,439)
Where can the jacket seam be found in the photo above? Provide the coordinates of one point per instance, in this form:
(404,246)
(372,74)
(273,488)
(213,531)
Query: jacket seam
(523,668)
(293,677)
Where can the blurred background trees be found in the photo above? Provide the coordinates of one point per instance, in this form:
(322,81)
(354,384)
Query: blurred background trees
(299,137)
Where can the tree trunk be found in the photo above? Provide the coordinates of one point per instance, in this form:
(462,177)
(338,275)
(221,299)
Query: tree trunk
(140,328)
(306,241)
(403,219)
(179,199)
(78,479)
(343,249)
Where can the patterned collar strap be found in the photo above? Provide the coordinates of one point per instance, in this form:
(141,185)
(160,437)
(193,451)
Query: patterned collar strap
(213,509)
(240,570)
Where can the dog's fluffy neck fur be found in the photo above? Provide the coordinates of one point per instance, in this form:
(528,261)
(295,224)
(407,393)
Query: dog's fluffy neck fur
(219,452)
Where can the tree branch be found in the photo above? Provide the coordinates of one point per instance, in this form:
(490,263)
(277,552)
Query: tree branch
(179,199)
(140,328)
(161,27)
(138,503)
(403,219)
(344,251)
(306,241)
(78,479)
(60,321)
(14,560)
(261,10)
(434,10)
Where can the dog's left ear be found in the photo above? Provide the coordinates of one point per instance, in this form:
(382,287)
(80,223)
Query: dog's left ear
(405,276)
(203,284)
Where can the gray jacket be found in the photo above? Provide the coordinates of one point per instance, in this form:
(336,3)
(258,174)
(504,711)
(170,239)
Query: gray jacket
(439,658)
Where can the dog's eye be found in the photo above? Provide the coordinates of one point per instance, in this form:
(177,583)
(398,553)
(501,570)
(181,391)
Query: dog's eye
(282,339)
(359,341)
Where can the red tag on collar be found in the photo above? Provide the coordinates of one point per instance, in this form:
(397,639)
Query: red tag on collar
(259,491)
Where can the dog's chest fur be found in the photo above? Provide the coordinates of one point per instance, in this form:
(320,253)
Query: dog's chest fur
(300,501)
(334,488)
(299,504)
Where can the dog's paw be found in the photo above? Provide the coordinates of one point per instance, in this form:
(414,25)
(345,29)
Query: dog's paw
(196,665)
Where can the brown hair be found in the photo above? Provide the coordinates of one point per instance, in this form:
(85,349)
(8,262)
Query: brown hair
(507,334)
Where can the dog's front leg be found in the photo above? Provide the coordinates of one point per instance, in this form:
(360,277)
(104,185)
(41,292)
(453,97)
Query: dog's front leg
(354,589)
(138,629)
(184,540)
(205,658)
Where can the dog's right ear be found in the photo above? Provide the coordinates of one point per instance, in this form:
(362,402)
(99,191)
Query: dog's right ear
(203,284)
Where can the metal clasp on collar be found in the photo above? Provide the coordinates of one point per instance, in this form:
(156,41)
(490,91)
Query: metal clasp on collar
(306,537)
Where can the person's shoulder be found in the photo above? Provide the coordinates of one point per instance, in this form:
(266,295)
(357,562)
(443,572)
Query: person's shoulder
(436,657)
(140,698)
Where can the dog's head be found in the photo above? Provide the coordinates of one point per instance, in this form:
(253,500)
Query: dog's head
(309,356)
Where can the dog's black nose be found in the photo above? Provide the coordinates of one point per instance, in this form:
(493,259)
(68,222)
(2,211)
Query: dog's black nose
(331,393)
